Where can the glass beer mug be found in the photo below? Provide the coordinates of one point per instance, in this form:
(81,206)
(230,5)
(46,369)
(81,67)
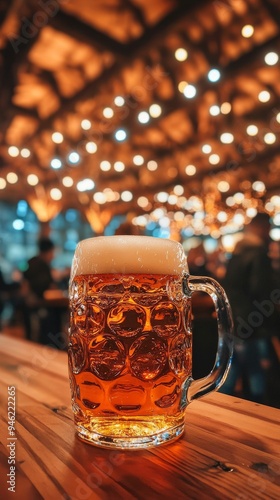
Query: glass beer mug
(130,340)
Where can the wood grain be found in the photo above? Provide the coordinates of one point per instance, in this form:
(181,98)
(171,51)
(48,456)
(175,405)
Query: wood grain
(230,449)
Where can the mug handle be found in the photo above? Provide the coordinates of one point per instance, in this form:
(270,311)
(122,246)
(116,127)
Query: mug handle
(198,388)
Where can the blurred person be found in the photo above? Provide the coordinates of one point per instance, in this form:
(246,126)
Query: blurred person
(254,296)
(38,279)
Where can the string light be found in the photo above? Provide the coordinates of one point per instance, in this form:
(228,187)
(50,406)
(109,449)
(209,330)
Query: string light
(206,148)
(85,185)
(32,179)
(214,159)
(91,147)
(264,96)
(13,151)
(74,157)
(214,110)
(12,177)
(57,138)
(225,108)
(155,110)
(214,75)
(269,138)
(3,183)
(190,169)
(152,165)
(105,165)
(108,112)
(223,186)
(271,58)
(252,130)
(120,135)
(119,101)
(138,160)
(67,181)
(55,194)
(189,91)
(86,124)
(181,54)
(25,153)
(247,31)
(143,117)
(119,166)
(56,163)
(126,196)
(226,138)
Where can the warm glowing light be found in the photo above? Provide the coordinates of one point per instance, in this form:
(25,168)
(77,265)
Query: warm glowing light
(143,117)
(238,197)
(214,75)
(86,124)
(155,110)
(271,58)
(181,54)
(222,216)
(99,198)
(25,153)
(214,159)
(105,166)
(85,185)
(238,219)
(269,138)
(32,179)
(206,149)
(225,108)
(57,137)
(252,130)
(162,197)
(120,135)
(12,177)
(275,199)
(138,160)
(214,110)
(278,117)
(247,31)
(251,212)
(3,183)
(13,151)
(74,158)
(190,170)
(182,85)
(223,186)
(227,138)
(264,96)
(172,199)
(152,165)
(259,186)
(55,194)
(230,201)
(189,91)
(126,196)
(67,181)
(108,112)
(143,202)
(91,147)
(18,224)
(56,163)
(119,101)
(119,166)
(178,190)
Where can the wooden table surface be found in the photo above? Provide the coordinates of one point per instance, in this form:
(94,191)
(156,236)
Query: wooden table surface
(230,449)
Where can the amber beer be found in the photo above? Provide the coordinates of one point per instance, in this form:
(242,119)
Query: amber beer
(129,344)
(130,340)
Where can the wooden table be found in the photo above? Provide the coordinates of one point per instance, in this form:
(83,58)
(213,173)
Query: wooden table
(230,449)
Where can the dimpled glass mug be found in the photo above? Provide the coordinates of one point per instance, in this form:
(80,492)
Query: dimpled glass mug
(130,340)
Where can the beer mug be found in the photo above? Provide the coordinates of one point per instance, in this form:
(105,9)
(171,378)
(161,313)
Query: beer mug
(130,340)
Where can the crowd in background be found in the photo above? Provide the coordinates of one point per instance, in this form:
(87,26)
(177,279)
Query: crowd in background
(250,275)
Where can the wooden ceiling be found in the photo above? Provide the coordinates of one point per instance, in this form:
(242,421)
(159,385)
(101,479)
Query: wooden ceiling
(63,62)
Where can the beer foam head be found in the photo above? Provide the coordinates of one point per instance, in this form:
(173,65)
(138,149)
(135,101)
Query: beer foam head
(128,254)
